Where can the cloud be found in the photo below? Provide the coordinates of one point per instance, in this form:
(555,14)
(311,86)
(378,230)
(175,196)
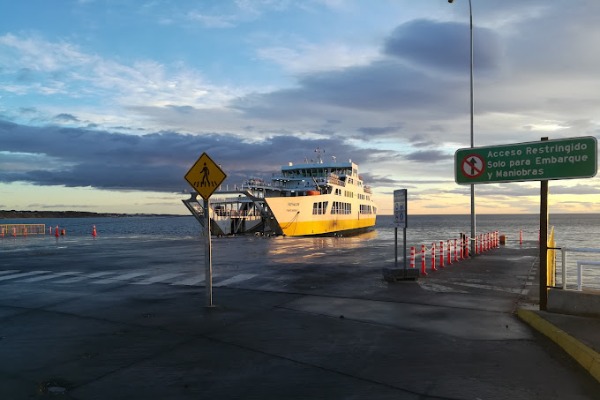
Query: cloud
(434,45)
(39,55)
(226,15)
(384,87)
(378,131)
(556,40)
(429,156)
(580,189)
(65,118)
(75,157)
(418,83)
(394,107)
(81,78)
(303,58)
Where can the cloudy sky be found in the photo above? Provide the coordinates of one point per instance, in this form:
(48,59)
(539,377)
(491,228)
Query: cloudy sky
(105,104)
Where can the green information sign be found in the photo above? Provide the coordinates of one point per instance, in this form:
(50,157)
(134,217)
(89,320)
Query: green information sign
(533,161)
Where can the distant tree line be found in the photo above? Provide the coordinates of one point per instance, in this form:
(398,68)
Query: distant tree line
(11,214)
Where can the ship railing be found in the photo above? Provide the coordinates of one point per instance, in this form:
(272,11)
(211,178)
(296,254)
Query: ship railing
(22,229)
(266,186)
(229,200)
(587,258)
(250,217)
(306,181)
(235,213)
(256,185)
(332,178)
(255,182)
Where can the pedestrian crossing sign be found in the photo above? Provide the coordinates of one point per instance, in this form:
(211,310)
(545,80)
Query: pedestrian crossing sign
(205,176)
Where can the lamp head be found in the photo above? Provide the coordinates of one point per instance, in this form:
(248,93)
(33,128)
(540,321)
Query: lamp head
(450,1)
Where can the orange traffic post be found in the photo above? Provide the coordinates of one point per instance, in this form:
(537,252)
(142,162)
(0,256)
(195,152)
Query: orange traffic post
(423,255)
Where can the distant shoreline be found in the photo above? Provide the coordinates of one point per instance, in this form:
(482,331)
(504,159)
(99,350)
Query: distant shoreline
(12,214)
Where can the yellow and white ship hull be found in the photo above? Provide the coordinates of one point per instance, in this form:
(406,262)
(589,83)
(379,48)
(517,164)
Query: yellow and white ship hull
(298,216)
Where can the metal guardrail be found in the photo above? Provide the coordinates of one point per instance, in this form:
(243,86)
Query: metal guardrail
(579,263)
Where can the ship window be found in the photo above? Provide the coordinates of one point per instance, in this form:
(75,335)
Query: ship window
(366,209)
(320,207)
(339,207)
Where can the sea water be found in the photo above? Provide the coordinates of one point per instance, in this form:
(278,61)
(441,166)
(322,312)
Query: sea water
(371,249)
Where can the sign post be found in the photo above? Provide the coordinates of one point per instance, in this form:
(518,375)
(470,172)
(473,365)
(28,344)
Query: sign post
(400,208)
(205,176)
(207,255)
(533,161)
(543,272)
(400,221)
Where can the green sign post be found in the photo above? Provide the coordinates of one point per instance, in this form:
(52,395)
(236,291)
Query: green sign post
(532,161)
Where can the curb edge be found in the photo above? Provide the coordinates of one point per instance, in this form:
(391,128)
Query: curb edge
(584,355)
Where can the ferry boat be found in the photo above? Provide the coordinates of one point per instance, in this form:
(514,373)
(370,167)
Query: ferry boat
(321,198)
(312,198)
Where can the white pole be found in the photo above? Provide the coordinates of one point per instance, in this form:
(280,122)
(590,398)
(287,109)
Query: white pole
(473,230)
(208,256)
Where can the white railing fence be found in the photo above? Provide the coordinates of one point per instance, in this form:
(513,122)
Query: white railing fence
(586,258)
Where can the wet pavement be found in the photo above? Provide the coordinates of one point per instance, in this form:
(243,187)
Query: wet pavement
(118,321)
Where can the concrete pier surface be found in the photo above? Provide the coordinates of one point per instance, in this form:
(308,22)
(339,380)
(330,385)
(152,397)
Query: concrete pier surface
(117,321)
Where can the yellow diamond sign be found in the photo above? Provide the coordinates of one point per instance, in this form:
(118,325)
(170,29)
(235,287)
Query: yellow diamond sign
(205,176)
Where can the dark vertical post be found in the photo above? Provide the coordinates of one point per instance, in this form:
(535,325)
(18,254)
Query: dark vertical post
(404,246)
(544,243)
(396,247)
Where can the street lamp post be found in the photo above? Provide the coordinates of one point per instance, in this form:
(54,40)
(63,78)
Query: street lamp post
(472,141)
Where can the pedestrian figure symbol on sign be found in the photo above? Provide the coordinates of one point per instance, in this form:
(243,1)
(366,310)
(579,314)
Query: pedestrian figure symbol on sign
(205,173)
(472,166)
(205,176)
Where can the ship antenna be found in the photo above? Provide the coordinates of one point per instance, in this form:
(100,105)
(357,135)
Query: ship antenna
(319,157)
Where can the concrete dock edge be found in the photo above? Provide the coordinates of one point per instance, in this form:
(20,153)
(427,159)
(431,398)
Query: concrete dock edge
(584,355)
